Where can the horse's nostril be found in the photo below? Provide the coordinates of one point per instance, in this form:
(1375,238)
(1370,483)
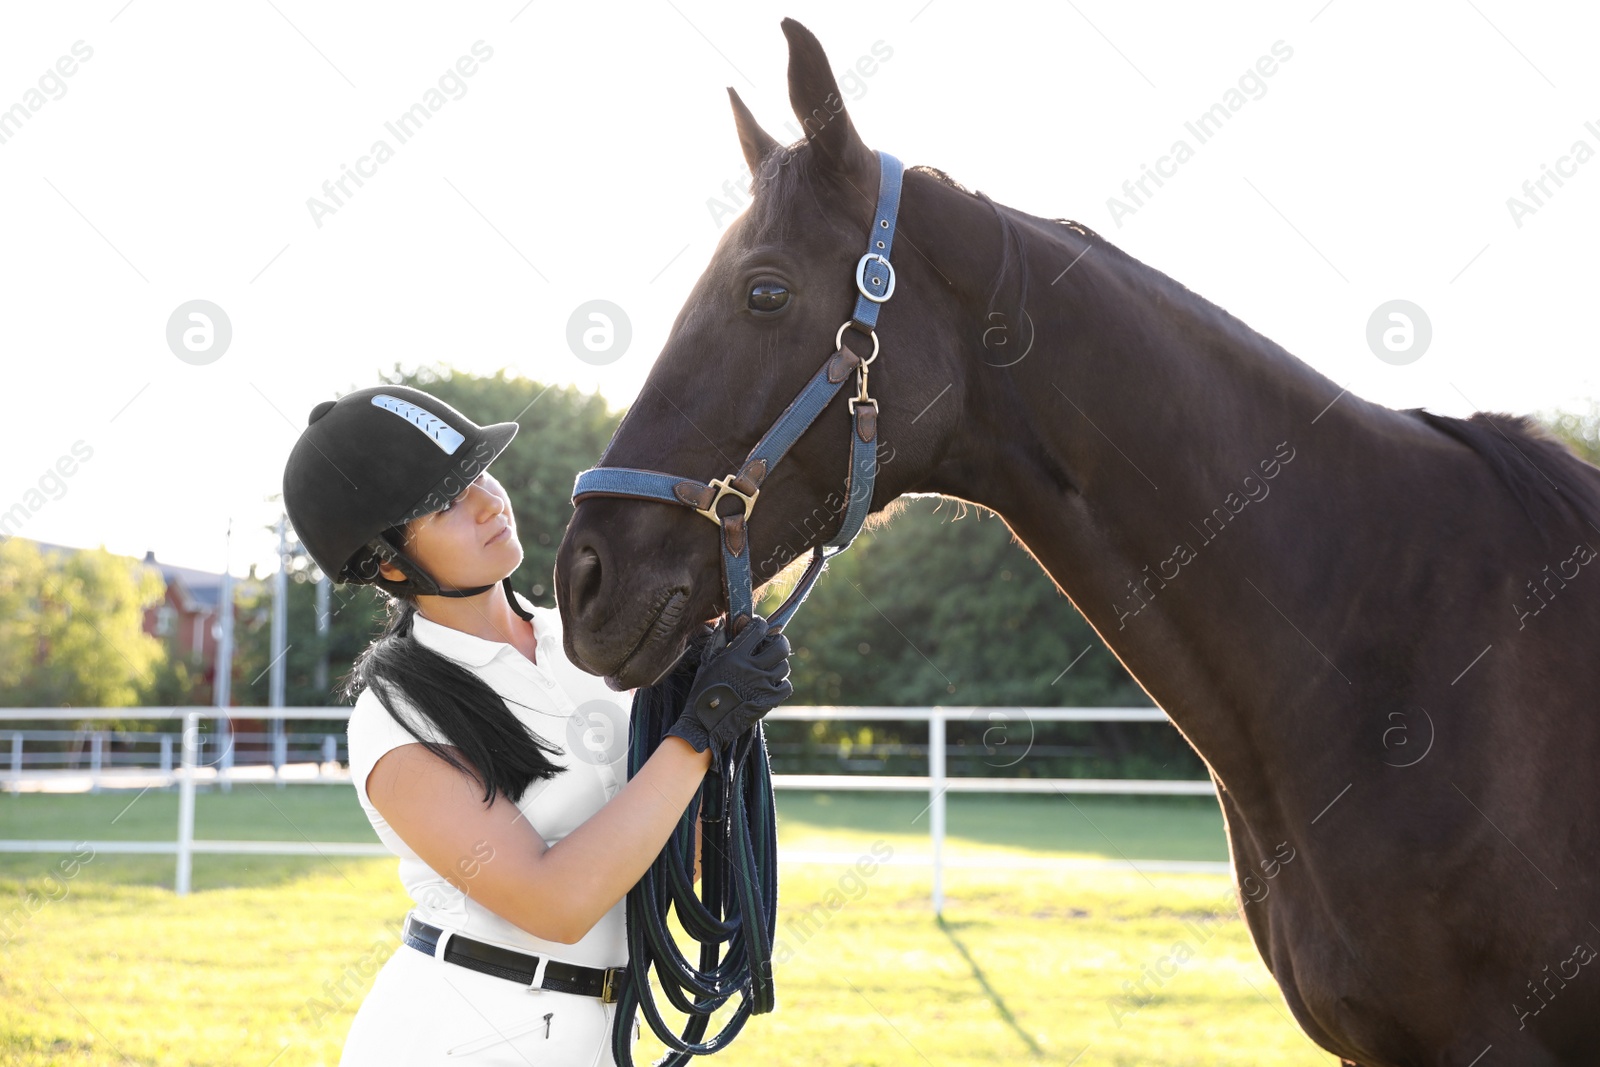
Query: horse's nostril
(584,582)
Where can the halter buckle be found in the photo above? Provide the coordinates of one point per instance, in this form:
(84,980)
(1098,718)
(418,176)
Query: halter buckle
(724,487)
(861,277)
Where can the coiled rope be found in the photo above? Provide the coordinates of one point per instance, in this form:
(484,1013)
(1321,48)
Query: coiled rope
(734,913)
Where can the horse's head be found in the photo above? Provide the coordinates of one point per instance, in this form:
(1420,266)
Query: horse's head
(634,579)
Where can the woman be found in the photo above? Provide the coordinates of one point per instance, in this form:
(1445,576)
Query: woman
(483,758)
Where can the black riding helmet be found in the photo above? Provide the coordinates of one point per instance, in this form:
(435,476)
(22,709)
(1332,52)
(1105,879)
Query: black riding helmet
(370,462)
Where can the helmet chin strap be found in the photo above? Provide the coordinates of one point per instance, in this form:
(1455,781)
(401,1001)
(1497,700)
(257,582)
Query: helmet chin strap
(425,585)
(511,596)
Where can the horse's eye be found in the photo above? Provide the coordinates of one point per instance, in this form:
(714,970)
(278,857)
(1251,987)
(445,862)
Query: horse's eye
(768,297)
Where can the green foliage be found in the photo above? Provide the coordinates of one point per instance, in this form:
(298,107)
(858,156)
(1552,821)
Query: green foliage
(1579,430)
(926,609)
(22,570)
(315,664)
(176,683)
(71,628)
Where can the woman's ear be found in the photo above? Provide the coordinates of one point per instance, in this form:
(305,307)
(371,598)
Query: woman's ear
(407,535)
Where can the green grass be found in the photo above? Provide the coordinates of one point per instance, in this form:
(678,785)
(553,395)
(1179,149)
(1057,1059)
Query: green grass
(1170,828)
(1028,966)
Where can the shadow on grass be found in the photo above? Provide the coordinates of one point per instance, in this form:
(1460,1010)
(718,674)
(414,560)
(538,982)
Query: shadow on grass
(994,998)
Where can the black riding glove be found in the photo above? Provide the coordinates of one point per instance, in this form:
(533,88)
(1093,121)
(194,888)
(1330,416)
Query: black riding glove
(698,646)
(737,683)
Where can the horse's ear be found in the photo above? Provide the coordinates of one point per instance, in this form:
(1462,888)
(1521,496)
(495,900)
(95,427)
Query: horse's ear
(814,95)
(755,141)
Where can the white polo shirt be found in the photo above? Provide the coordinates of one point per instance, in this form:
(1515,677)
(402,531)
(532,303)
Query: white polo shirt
(575,712)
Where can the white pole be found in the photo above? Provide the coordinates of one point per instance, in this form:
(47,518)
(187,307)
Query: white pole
(320,677)
(225,767)
(280,631)
(191,744)
(223,686)
(936,803)
(16,762)
(96,753)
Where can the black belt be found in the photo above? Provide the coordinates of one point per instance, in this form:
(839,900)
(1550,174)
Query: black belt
(602,982)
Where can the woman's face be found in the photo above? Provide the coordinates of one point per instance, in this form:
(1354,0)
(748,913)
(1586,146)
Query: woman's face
(472,541)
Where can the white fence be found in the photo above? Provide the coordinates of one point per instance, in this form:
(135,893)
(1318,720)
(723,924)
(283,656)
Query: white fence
(937,783)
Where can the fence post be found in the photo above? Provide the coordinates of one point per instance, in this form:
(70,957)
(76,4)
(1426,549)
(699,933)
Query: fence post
(225,764)
(16,762)
(166,758)
(191,744)
(96,752)
(936,803)
(330,751)
(280,754)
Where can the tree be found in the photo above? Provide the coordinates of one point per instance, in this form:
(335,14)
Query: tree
(71,627)
(355,617)
(22,569)
(1579,430)
(174,684)
(925,609)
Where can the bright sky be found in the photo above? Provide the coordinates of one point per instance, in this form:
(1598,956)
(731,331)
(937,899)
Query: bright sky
(579,160)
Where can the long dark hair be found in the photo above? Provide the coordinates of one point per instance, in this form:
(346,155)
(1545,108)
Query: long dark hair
(502,753)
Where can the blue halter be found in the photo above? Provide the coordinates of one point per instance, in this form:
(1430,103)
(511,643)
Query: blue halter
(874,284)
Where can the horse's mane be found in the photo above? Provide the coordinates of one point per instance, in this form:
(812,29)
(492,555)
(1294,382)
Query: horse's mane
(1556,489)
(944,179)
(1012,249)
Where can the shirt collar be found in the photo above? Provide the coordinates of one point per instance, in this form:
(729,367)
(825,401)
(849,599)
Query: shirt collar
(474,651)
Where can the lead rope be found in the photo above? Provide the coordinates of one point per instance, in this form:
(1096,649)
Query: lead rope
(734,914)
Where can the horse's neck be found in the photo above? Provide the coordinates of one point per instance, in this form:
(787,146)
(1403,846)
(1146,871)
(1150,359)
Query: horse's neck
(1158,458)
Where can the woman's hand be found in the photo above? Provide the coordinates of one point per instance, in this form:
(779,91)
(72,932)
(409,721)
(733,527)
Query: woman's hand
(737,682)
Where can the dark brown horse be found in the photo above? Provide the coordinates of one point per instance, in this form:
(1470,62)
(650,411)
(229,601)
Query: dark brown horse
(1378,627)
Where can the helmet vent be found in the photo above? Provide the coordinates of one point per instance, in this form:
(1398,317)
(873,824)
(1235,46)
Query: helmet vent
(441,433)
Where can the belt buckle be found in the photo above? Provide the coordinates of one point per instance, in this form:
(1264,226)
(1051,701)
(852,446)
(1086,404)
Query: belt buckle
(609,985)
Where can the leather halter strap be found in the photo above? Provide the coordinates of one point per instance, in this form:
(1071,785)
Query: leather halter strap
(875,281)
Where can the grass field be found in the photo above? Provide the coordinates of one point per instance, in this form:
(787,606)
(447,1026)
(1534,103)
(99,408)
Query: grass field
(1028,966)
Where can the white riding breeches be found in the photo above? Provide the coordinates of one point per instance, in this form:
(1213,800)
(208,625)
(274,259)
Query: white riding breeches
(425,1012)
